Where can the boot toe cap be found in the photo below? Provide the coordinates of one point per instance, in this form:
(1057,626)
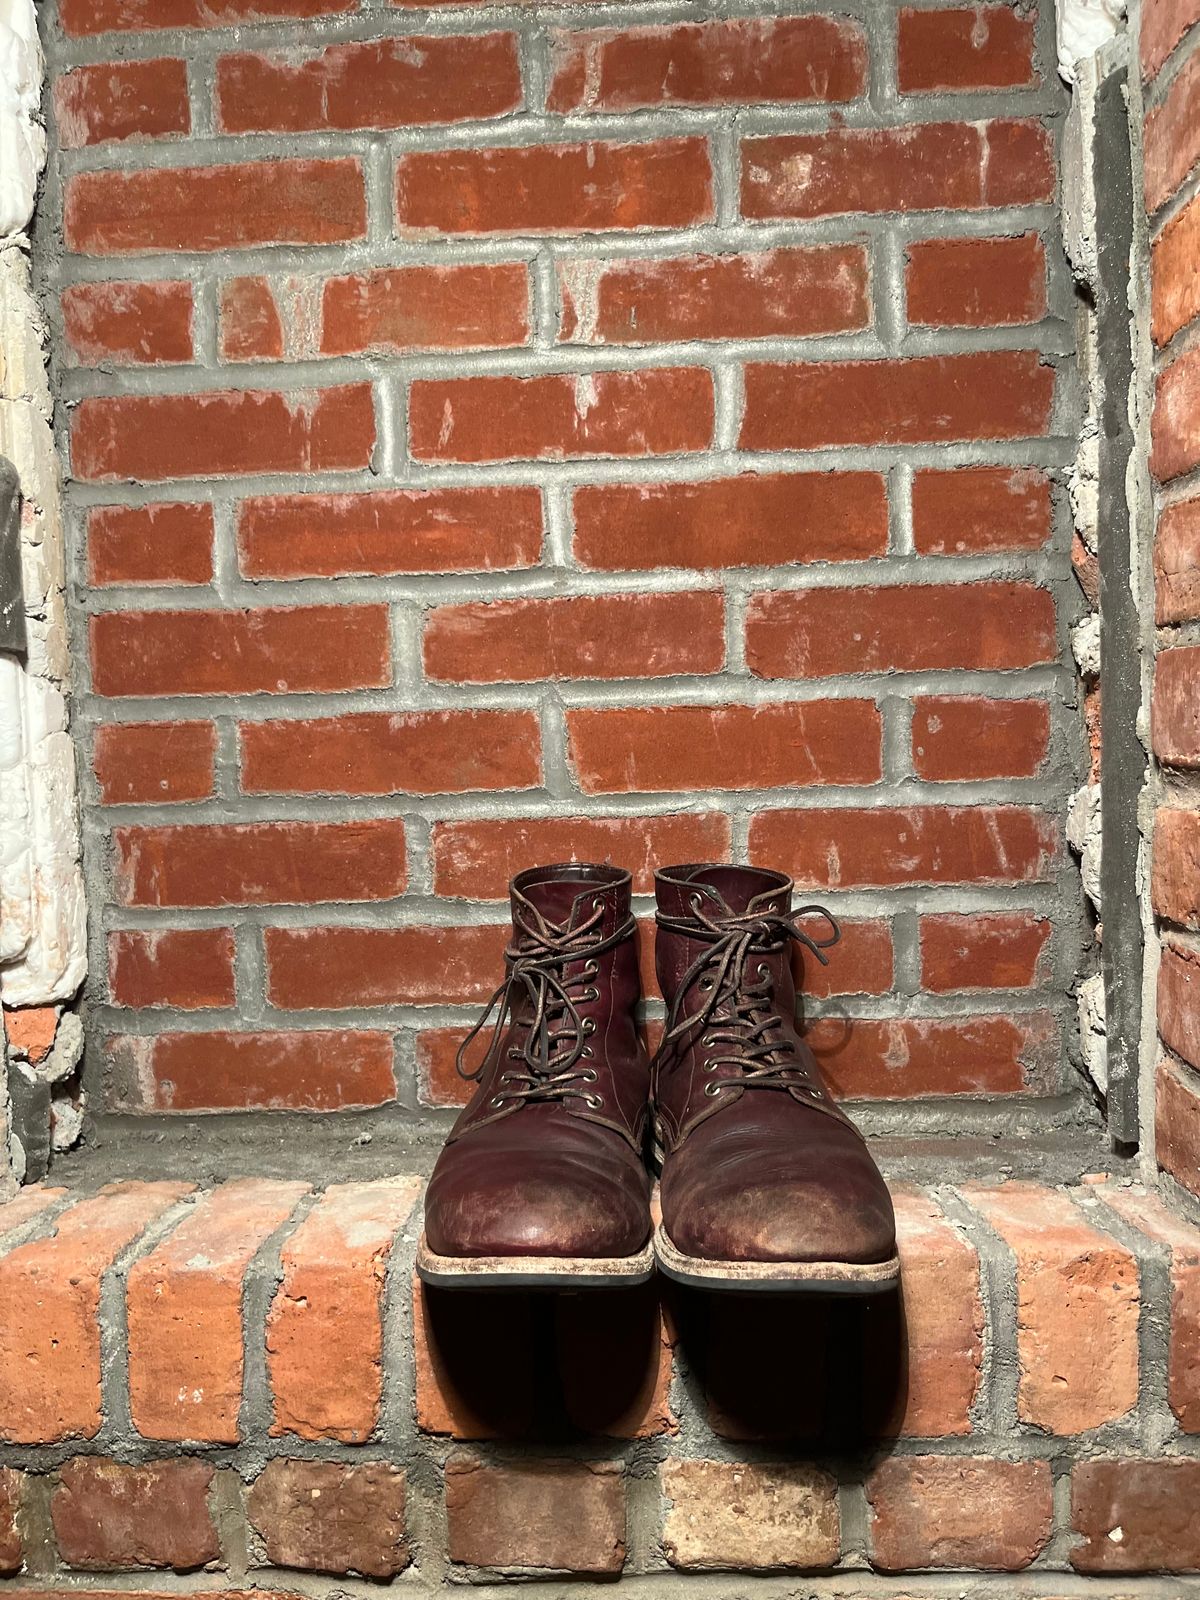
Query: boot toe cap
(543,1207)
(776,1200)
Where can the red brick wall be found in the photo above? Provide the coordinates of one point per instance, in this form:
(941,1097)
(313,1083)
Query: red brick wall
(641,440)
(1170,59)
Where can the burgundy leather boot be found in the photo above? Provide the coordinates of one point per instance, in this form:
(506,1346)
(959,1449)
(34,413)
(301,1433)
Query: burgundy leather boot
(766,1183)
(542,1180)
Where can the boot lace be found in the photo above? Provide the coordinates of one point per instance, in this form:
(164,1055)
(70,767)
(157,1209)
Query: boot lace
(555,1051)
(751,1025)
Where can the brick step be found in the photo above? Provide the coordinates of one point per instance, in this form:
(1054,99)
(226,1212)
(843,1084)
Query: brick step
(245,1381)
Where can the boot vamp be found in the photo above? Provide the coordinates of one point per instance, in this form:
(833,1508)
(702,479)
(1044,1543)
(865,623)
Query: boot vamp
(766,1179)
(540,1182)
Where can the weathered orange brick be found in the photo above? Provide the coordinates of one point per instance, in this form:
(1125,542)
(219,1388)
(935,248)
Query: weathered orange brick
(977,47)
(958,1511)
(971,510)
(185,1313)
(984,950)
(1077,1309)
(108,1516)
(1175,274)
(30,1031)
(121,100)
(12,1543)
(942,1321)
(50,1330)
(191,968)
(1182,1240)
(167,543)
(553,1516)
(1152,1503)
(1177,563)
(322,1516)
(141,324)
(151,763)
(744,1516)
(331,968)
(1177,1123)
(325,1326)
(1179,1000)
(458,1395)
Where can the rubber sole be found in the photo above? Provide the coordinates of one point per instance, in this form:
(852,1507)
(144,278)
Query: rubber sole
(567,1273)
(775,1277)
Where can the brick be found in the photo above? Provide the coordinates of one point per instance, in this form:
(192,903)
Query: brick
(81,17)
(1177,1124)
(741,1516)
(251,329)
(325,1327)
(553,1516)
(975,283)
(149,763)
(942,1324)
(260,863)
(958,1511)
(1175,274)
(12,1548)
(786,292)
(722,62)
(1147,1212)
(975,510)
(380,752)
(426,308)
(1152,1503)
(978,47)
(989,394)
(1174,711)
(1177,563)
(1172,136)
(914,844)
(576,636)
(396,531)
(322,1516)
(615,1363)
(922,167)
(332,968)
(121,100)
(141,324)
(1175,871)
(30,1031)
(375,83)
(1077,1309)
(984,950)
(109,1516)
(665,748)
(562,188)
(184,1303)
(560,416)
(908,1058)
(165,544)
(191,968)
(457,1395)
(439,1083)
(50,1332)
(279,1071)
(475,859)
(25,1208)
(861,963)
(820,633)
(215,208)
(1163,24)
(768,519)
(155,437)
(1179,1001)
(282,650)
(968,737)
(1175,422)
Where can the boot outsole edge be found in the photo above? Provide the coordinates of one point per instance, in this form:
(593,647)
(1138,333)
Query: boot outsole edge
(779,1277)
(533,1272)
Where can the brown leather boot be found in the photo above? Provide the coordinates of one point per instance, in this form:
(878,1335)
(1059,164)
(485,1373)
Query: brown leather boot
(766,1184)
(542,1180)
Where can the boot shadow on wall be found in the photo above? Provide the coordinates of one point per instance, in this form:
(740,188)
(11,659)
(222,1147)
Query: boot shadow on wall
(826,1373)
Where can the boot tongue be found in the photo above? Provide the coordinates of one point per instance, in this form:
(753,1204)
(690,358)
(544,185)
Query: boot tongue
(739,889)
(568,898)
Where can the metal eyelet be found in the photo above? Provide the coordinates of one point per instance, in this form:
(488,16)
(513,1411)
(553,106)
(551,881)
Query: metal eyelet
(589,1075)
(590,994)
(589,1024)
(711,1089)
(597,903)
(593,1101)
(694,901)
(497,1100)
(587,1051)
(763,970)
(706,984)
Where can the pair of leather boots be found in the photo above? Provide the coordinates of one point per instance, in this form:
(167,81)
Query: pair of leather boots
(543,1181)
